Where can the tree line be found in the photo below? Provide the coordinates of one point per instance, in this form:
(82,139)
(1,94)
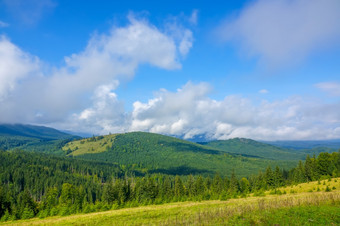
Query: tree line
(44,185)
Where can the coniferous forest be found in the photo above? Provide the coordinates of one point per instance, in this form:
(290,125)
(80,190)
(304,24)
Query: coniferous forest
(36,184)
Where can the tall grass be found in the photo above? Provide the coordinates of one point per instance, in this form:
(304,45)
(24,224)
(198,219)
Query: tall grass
(318,207)
(257,211)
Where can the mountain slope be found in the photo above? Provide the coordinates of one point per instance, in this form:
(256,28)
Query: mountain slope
(248,147)
(40,132)
(306,144)
(156,153)
(29,137)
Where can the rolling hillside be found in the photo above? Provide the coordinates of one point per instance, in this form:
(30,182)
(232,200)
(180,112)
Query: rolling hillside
(154,153)
(252,148)
(306,144)
(29,137)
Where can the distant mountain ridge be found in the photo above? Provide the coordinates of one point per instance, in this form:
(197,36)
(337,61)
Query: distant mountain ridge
(40,132)
(30,137)
(304,144)
(155,153)
(252,148)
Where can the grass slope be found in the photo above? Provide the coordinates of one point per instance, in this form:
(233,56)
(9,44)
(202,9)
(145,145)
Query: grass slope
(29,137)
(252,148)
(154,153)
(90,145)
(301,208)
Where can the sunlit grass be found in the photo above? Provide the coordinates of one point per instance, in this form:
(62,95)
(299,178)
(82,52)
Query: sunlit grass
(85,146)
(313,186)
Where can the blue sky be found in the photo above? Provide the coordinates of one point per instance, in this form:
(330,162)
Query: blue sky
(259,69)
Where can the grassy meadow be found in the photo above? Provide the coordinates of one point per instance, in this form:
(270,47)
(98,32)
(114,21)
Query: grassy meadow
(307,205)
(90,145)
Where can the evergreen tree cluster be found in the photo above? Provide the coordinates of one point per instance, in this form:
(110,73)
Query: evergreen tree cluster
(43,185)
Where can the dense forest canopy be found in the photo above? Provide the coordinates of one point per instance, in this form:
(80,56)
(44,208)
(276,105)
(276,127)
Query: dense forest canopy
(44,185)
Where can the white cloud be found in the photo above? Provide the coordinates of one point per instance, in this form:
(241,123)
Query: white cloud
(193,19)
(181,35)
(106,115)
(14,65)
(3,24)
(186,42)
(333,88)
(30,93)
(189,112)
(29,12)
(284,31)
(263,91)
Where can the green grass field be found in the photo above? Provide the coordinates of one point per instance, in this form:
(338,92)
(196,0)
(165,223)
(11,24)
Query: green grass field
(298,208)
(87,146)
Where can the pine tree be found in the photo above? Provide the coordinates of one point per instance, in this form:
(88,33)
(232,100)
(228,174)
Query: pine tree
(234,186)
(244,185)
(278,177)
(217,185)
(199,186)
(269,177)
(179,188)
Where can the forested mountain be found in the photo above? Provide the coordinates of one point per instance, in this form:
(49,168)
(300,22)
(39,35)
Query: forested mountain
(306,144)
(29,137)
(252,148)
(156,153)
(39,132)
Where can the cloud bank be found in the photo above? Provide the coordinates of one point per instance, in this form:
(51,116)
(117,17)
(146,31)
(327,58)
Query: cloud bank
(189,112)
(284,32)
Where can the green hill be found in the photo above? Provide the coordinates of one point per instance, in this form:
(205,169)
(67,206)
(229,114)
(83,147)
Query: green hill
(29,137)
(252,148)
(154,153)
(305,144)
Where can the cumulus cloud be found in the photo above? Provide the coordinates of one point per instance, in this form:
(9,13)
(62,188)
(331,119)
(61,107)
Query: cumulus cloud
(332,88)
(14,65)
(189,113)
(284,31)
(31,93)
(107,113)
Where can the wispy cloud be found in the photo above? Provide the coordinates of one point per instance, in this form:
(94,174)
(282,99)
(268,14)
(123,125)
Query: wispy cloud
(3,24)
(284,32)
(263,91)
(29,12)
(193,19)
(332,88)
